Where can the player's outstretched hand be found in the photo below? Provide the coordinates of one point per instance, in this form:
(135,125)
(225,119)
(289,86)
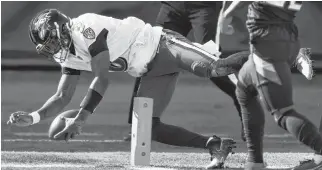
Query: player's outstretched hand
(20,118)
(72,128)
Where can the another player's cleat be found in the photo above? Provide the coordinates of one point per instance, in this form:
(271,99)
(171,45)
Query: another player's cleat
(304,63)
(219,149)
(128,137)
(254,166)
(309,165)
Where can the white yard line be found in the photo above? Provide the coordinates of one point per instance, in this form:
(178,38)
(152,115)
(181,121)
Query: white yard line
(46,134)
(47,165)
(116,141)
(286,135)
(74,140)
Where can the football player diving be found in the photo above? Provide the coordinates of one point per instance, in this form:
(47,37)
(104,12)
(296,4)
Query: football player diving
(266,76)
(100,44)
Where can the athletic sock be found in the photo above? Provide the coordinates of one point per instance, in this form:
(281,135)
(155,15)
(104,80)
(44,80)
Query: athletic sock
(254,123)
(303,129)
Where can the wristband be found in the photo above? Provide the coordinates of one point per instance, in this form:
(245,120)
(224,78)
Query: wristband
(91,100)
(35,117)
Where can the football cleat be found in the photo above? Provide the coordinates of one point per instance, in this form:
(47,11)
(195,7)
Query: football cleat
(304,64)
(254,166)
(219,149)
(309,165)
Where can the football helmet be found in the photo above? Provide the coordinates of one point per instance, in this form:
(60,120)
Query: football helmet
(50,31)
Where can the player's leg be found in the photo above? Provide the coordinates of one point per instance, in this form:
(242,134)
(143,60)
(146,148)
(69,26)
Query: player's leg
(274,85)
(204,26)
(160,89)
(204,21)
(253,115)
(135,90)
(168,18)
(197,61)
(173,19)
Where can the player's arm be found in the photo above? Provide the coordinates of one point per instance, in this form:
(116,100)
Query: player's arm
(54,104)
(62,97)
(100,66)
(100,62)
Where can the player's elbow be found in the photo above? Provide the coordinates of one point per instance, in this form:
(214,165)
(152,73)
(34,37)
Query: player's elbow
(64,97)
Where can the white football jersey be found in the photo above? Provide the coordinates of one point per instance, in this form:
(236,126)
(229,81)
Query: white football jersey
(131,43)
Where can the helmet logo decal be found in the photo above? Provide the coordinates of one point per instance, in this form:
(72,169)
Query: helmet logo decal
(41,23)
(89,33)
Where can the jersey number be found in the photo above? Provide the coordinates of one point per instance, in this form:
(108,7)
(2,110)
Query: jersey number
(289,5)
(120,64)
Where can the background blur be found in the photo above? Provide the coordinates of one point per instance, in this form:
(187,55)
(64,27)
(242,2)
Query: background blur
(28,80)
(15,17)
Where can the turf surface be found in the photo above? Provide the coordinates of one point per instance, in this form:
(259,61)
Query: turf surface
(196,105)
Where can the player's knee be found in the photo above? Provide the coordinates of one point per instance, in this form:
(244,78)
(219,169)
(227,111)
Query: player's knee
(201,69)
(287,118)
(245,94)
(298,125)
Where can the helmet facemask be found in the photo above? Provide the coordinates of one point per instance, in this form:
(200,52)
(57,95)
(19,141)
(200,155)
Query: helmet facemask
(57,45)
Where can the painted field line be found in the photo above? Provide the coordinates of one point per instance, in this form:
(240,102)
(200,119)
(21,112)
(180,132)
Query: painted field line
(46,134)
(47,165)
(15,165)
(116,141)
(73,140)
(286,135)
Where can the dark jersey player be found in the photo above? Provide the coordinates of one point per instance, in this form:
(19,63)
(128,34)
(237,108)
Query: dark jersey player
(274,45)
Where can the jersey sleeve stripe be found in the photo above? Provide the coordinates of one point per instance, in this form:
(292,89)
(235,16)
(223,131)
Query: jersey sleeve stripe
(100,44)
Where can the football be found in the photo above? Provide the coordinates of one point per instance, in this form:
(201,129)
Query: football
(58,124)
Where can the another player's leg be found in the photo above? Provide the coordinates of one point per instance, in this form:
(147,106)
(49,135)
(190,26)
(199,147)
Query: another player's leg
(253,116)
(316,162)
(274,85)
(229,87)
(160,89)
(292,121)
(204,25)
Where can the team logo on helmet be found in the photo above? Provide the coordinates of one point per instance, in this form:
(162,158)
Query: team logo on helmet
(89,33)
(42,24)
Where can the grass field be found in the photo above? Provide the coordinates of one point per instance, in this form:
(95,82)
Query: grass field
(196,105)
(119,160)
